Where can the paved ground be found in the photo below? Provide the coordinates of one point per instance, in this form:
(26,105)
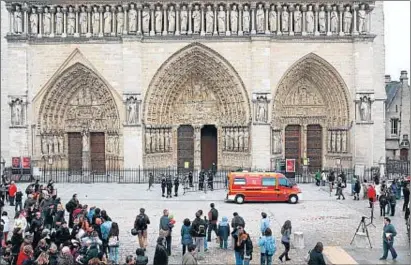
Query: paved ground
(319,216)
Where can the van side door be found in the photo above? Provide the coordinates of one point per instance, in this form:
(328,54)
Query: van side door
(269,192)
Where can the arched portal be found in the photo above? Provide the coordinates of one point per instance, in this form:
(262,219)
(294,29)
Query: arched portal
(313,95)
(79,121)
(197,86)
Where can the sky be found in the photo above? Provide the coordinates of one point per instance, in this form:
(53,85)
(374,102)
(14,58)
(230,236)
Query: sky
(397,37)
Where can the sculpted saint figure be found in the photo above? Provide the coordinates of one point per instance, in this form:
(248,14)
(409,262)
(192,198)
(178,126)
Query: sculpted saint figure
(17,114)
(85,142)
(235,139)
(132,19)
(148,142)
(273,19)
(132,111)
(46,21)
(107,20)
(34,21)
(334,20)
(158,19)
(18,21)
(246,19)
(71,21)
(347,19)
(297,19)
(209,19)
(83,20)
(234,19)
(322,19)
(246,138)
(196,19)
(260,18)
(183,19)
(146,19)
(362,15)
(365,109)
(120,20)
(61,143)
(44,145)
(96,21)
(310,19)
(221,19)
(228,140)
(171,19)
(284,19)
(59,21)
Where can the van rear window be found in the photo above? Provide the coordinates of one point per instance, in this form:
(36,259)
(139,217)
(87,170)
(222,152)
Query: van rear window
(239,181)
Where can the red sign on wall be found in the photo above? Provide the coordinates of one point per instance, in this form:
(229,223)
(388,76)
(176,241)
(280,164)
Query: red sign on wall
(15,162)
(290,165)
(26,162)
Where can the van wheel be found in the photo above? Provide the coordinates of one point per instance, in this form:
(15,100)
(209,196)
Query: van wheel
(239,199)
(293,199)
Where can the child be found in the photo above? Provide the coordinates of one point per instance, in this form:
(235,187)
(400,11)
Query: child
(186,238)
(267,247)
(223,232)
(141,258)
(172,221)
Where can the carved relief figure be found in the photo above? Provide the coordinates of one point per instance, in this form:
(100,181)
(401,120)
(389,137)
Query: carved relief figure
(46,21)
(161,140)
(59,21)
(158,19)
(83,20)
(241,139)
(246,19)
(297,19)
(61,143)
(168,140)
(221,19)
(18,21)
(235,139)
(132,111)
(284,19)
(365,106)
(44,145)
(229,141)
(107,20)
(246,139)
(71,21)
(261,111)
(17,111)
(148,141)
(183,18)
(310,20)
(322,19)
(273,19)
(277,142)
(120,20)
(132,19)
(153,140)
(362,15)
(96,21)
(209,19)
(196,19)
(347,19)
(260,18)
(171,19)
(334,20)
(86,144)
(34,21)
(146,19)
(56,145)
(234,19)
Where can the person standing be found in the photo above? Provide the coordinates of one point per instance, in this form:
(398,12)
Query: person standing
(316,255)
(267,247)
(365,189)
(169,185)
(378,189)
(163,186)
(19,201)
(186,238)
(243,247)
(392,199)
(388,236)
(150,181)
(285,240)
(12,192)
(114,243)
(70,207)
(223,232)
(176,184)
(340,186)
(371,195)
(357,189)
(160,255)
(383,203)
(318,178)
(190,179)
(265,223)
(141,224)
(198,232)
(165,231)
(406,192)
(201,179)
(212,221)
(189,257)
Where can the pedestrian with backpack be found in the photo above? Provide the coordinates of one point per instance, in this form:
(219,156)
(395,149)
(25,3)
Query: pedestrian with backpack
(212,221)
(267,247)
(186,238)
(141,224)
(198,232)
(223,232)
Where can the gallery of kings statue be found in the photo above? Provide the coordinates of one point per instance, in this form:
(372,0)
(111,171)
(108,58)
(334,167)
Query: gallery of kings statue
(185,84)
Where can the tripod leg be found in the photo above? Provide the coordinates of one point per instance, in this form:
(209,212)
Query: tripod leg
(368,236)
(356,231)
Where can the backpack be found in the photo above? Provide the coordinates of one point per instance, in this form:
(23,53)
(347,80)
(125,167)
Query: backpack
(214,215)
(69,207)
(270,246)
(201,229)
(141,222)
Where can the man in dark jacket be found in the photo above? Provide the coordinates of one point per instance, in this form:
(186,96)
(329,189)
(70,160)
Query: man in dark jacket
(176,184)
(316,255)
(70,207)
(243,247)
(190,179)
(212,221)
(163,186)
(141,224)
(201,179)
(388,236)
(383,203)
(198,232)
(406,192)
(165,230)
(357,189)
(160,255)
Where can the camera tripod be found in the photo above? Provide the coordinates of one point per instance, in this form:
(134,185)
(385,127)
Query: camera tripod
(364,229)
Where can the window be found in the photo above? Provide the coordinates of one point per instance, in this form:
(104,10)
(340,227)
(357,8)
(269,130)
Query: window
(268,182)
(394,126)
(283,182)
(239,181)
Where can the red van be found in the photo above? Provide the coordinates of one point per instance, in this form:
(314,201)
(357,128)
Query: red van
(261,187)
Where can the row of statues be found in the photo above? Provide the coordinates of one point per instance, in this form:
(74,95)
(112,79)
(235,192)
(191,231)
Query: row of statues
(158,140)
(337,141)
(236,139)
(52,144)
(218,19)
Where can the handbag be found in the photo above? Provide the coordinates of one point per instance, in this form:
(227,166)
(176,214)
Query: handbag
(164,233)
(246,257)
(113,242)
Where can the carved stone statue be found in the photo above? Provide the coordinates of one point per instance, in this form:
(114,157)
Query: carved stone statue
(235,139)
(261,111)
(273,19)
(161,140)
(284,19)
(71,21)
(209,19)
(148,141)
(56,145)
(171,19)
(297,19)
(34,21)
(365,106)
(132,19)
(18,21)
(196,19)
(234,19)
(132,111)
(310,19)
(46,21)
(221,19)
(107,20)
(167,145)
(96,21)
(59,21)
(240,140)
(120,20)
(246,19)
(246,138)
(362,15)
(260,18)
(334,20)
(83,20)
(158,14)
(229,142)
(61,144)
(322,20)
(183,19)
(44,145)
(146,19)
(116,147)
(277,142)
(154,140)
(17,113)
(347,20)
(86,143)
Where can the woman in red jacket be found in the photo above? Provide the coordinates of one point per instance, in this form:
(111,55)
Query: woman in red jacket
(12,193)
(25,254)
(372,195)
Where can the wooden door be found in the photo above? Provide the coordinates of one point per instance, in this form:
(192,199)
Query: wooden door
(98,152)
(75,151)
(315,147)
(404,154)
(185,148)
(293,144)
(208,146)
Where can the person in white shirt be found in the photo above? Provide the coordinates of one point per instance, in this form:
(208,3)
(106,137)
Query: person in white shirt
(6,226)
(20,221)
(378,190)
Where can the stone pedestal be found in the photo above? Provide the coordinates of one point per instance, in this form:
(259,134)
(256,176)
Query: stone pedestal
(299,240)
(86,160)
(361,240)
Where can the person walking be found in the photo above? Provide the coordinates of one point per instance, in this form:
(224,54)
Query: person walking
(223,232)
(265,223)
(186,238)
(150,181)
(383,204)
(392,199)
(340,185)
(236,222)
(243,246)
(285,240)
(198,232)
(406,193)
(19,201)
(189,258)
(165,231)
(267,247)
(371,195)
(388,236)
(365,189)
(212,221)
(316,255)
(141,224)
(169,186)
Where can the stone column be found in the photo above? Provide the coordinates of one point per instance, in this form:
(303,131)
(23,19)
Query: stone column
(279,8)
(125,29)
(341,12)
(89,10)
(267,10)
(291,20)
(316,8)
(113,21)
(252,10)
(215,33)
(370,9)
(202,33)
(9,8)
(101,10)
(177,20)
(190,20)
(329,8)
(40,12)
(304,10)
(26,9)
(197,146)
(165,20)
(240,20)
(52,11)
(139,22)
(76,32)
(64,33)
(86,151)
(227,20)
(152,19)
(354,24)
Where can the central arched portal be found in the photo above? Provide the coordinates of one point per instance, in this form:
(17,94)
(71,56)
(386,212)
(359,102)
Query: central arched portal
(196,87)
